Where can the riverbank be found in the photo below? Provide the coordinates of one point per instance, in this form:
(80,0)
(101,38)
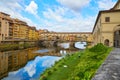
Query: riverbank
(78,66)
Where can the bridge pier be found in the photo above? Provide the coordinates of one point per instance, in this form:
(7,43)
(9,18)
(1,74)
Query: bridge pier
(48,44)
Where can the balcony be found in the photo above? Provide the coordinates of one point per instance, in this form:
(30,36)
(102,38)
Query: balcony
(8,38)
(10,30)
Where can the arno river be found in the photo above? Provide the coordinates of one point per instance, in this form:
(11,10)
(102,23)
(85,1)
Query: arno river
(28,64)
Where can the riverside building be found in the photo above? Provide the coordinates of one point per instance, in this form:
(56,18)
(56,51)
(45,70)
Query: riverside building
(107,27)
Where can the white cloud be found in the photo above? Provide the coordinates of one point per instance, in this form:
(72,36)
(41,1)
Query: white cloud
(105,4)
(74,4)
(65,19)
(9,4)
(14,8)
(53,15)
(56,18)
(31,69)
(49,61)
(69,21)
(32,8)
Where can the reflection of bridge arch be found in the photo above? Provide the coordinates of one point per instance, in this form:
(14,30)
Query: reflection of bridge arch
(80,45)
(73,45)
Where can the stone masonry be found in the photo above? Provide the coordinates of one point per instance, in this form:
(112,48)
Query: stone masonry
(110,69)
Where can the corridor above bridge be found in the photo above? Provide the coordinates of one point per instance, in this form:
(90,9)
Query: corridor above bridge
(66,36)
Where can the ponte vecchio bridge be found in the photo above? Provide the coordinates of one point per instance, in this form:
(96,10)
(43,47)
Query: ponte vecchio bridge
(50,38)
(66,36)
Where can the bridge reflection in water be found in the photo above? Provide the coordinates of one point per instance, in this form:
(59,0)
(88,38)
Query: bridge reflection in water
(29,63)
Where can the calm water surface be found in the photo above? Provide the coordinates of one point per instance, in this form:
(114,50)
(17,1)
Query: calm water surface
(25,64)
(32,69)
(30,63)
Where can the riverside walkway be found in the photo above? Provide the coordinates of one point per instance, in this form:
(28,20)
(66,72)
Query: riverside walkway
(110,69)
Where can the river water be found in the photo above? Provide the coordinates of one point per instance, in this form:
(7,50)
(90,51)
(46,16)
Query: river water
(33,69)
(29,64)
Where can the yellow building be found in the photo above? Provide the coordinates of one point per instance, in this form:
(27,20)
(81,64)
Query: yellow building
(20,30)
(15,29)
(36,35)
(41,32)
(23,30)
(33,34)
(107,27)
(5,26)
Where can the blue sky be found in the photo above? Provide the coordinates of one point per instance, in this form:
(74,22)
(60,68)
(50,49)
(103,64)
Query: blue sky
(57,15)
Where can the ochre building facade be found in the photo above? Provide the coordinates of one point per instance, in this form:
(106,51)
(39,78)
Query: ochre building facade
(107,27)
(14,29)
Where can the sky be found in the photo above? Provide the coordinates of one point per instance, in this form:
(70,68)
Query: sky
(57,15)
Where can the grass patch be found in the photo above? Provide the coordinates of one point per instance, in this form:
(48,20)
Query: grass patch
(80,66)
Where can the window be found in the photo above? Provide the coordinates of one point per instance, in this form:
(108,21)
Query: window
(0,24)
(119,32)
(106,42)
(117,42)
(107,19)
(119,6)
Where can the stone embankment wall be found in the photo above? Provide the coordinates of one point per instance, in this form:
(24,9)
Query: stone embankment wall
(6,46)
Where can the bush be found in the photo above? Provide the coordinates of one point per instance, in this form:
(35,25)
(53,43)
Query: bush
(99,48)
(7,47)
(49,72)
(77,78)
(44,78)
(27,45)
(55,69)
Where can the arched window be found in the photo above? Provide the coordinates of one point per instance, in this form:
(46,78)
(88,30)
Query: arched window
(106,42)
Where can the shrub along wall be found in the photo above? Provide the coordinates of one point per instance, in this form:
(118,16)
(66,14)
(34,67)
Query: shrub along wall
(7,47)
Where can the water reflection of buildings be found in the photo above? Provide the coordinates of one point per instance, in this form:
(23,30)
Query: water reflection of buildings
(14,60)
(3,64)
(10,61)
